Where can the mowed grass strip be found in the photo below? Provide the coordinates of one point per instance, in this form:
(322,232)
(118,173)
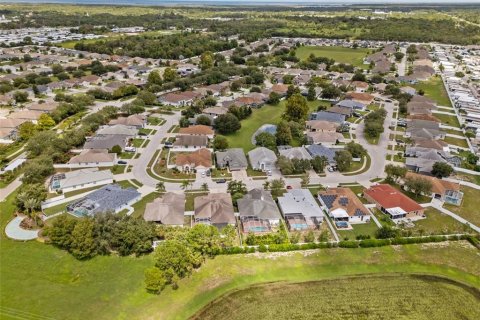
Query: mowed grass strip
(435,90)
(389,297)
(469,209)
(339,54)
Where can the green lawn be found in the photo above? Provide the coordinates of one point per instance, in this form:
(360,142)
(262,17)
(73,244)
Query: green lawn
(267,114)
(117,169)
(127,155)
(362,229)
(437,223)
(137,143)
(440,299)
(139,207)
(456,142)
(339,54)
(448,120)
(125,184)
(190,197)
(435,90)
(111,287)
(469,208)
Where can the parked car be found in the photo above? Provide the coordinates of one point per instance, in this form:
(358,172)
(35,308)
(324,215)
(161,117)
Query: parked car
(221,181)
(130,149)
(209,173)
(121,162)
(289,187)
(269,172)
(168,144)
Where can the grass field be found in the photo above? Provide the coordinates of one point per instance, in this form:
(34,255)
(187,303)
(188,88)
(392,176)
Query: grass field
(41,281)
(307,300)
(470,204)
(268,114)
(437,223)
(363,229)
(339,54)
(435,90)
(456,142)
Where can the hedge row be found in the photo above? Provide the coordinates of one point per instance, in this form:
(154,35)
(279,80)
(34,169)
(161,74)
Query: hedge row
(368,243)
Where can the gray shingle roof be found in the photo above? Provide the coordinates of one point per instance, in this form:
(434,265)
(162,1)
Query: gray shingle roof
(258,203)
(234,158)
(328,116)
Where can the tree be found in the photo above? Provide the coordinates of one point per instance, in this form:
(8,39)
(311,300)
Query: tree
(220,143)
(26,130)
(38,169)
(331,92)
(296,108)
(84,244)
(441,169)
(116,149)
(45,122)
(285,165)
(20,96)
(60,232)
(227,123)
(174,258)
(236,186)
(399,55)
(386,233)
(291,90)
(359,76)
(154,280)
(343,158)
(147,97)
(35,191)
(357,150)
(418,185)
(273,98)
(169,75)
(267,140)
(204,239)
(459,74)
(266,185)
(311,94)
(319,163)
(185,184)
(395,172)
(154,78)
(203,119)
(204,187)
(276,186)
(161,186)
(206,60)
(283,134)
(305,180)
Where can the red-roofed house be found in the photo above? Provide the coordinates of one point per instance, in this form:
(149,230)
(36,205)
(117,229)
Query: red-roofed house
(393,202)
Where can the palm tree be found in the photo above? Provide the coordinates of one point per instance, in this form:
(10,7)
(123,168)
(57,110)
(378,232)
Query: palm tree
(161,186)
(185,184)
(204,187)
(266,185)
(31,204)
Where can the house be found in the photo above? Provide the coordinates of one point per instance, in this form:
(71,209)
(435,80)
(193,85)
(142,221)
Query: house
(135,120)
(318,150)
(188,142)
(215,111)
(352,104)
(214,209)
(93,158)
(108,141)
(262,159)
(300,210)
(197,130)
(199,160)
(324,137)
(393,202)
(80,179)
(443,190)
(295,153)
(109,198)
(363,98)
(177,99)
(346,111)
(408,90)
(43,107)
(359,86)
(422,129)
(234,159)
(168,209)
(26,115)
(336,118)
(258,211)
(118,129)
(343,205)
(321,126)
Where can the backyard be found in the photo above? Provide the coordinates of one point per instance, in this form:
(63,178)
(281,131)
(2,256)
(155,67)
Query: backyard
(437,223)
(339,54)
(469,208)
(435,90)
(361,229)
(108,287)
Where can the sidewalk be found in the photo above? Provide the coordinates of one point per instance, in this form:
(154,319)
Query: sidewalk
(5,192)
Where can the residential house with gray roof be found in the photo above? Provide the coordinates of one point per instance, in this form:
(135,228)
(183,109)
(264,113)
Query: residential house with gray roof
(258,211)
(168,209)
(328,116)
(80,179)
(233,158)
(262,159)
(300,210)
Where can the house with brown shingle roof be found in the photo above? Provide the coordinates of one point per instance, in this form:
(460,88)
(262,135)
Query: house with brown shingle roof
(443,190)
(134,120)
(93,158)
(214,209)
(364,98)
(321,126)
(200,160)
(168,209)
(190,142)
(44,107)
(197,130)
(27,115)
(342,204)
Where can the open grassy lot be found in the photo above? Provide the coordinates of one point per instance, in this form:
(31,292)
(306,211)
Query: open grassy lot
(437,223)
(268,114)
(435,90)
(456,142)
(364,229)
(470,206)
(339,54)
(307,300)
(110,287)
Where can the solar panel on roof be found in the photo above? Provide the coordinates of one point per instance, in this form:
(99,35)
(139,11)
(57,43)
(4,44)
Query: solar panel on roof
(329,199)
(343,201)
